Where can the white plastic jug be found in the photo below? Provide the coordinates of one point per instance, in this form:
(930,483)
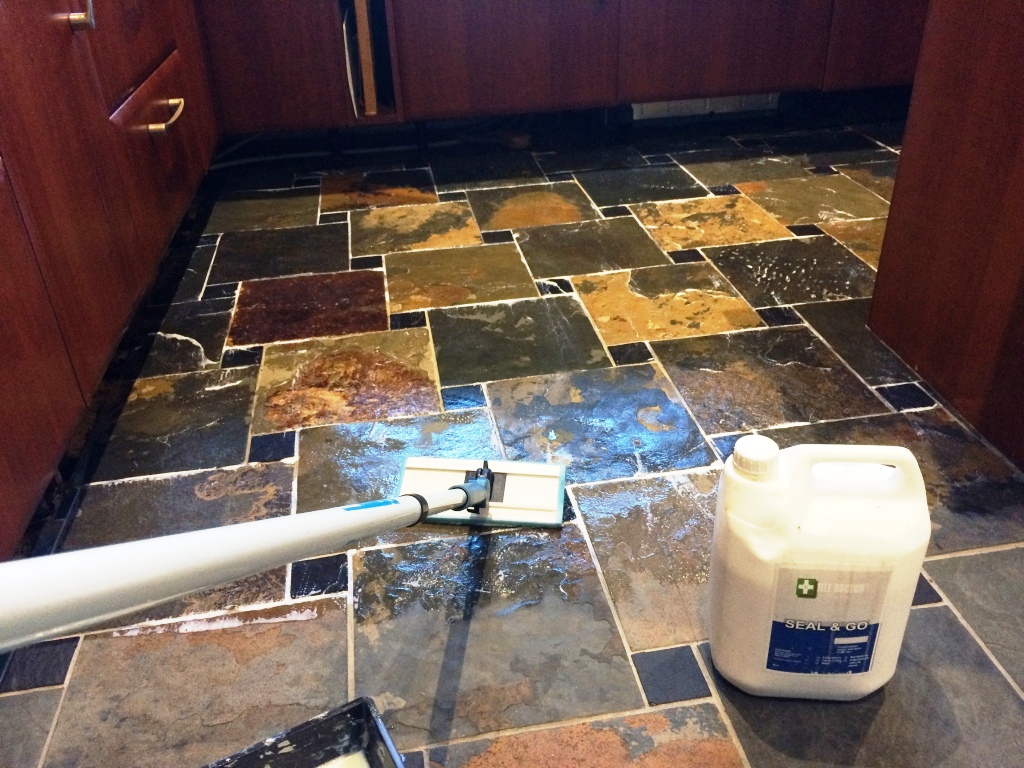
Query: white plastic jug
(815,558)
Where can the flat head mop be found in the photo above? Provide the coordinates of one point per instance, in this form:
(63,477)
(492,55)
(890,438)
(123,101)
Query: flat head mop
(57,595)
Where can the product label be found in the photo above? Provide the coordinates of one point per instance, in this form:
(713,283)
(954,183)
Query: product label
(825,621)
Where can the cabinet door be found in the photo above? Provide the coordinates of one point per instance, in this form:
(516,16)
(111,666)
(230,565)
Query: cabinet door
(466,57)
(874,43)
(38,391)
(679,49)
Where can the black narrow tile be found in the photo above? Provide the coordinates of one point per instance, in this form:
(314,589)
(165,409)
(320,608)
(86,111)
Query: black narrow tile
(222,291)
(776,316)
(689,256)
(823,170)
(450,197)
(560,176)
(660,160)
(39,666)
(408,320)
(724,189)
(614,211)
(568,510)
(241,356)
(925,593)
(499,236)
(805,230)
(629,354)
(669,675)
(554,286)
(459,398)
(333,217)
(322,576)
(905,397)
(366,262)
(272,447)
(208,240)
(413,759)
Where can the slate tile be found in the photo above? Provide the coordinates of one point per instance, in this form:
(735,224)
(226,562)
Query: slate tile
(460,398)
(280,253)
(743,165)
(613,211)
(777,316)
(402,320)
(320,576)
(639,185)
(724,189)
(351,190)
(763,378)
(531,206)
(906,397)
(924,592)
(432,617)
(554,286)
(340,217)
(241,357)
(534,336)
(815,199)
(864,238)
(412,228)
(805,230)
(688,256)
(603,424)
(601,158)
(272,447)
(366,262)
(498,236)
(481,171)
(39,666)
(276,209)
(670,675)
(890,134)
(630,354)
(879,177)
(218,292)
(707,221)
(25,722)
(589,246)
(358,378)
(946,705)
(288,308)
(793,271)
(827,147)
(182,276)
(652,537)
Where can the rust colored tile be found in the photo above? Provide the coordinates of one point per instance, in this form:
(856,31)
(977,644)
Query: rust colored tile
(726,220)
(413,228)
(864,237)
(670,302)
(333,381)
(534,206)
(878,177)
(312,305)
(354,189)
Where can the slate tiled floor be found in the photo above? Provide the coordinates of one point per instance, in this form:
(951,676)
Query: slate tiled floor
(619,309)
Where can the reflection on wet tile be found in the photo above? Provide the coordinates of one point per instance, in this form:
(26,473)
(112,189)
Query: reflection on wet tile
(532,206)
(639,185)
(589,246)
(844,325)
(758,379)
(358,378)
(978,586)
(906,397)
(457,276)
(614,156)
(827,147)
(742,166)
(815,199)
(793,271)
(352,463)
(174,423)
(878,177)
(668,738)
(670,675)
(653,540)
(630,354)
(272,447)
(708,221)
(460,637)
(39,666)
(603,424)
(669,302)
(313,305)
(976,499)
(534,336)
(250,676)
(481,171)
(412,228)
(280,252)
(320,576)
(25,722)
(354,189)
(946,705)
(264,210)
(864,238)
(459,398)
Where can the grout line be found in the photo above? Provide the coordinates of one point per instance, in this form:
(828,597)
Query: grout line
(975,551)
(717,698)
(24,691)
(60,704)
(350,622)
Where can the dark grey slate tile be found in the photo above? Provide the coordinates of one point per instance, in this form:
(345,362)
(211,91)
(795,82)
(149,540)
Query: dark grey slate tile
(925,593)
(639,185)
(320,576)
(25,722)
(39,666)
(671,674)
(906,397)
(280,253)
(272,447)
(482,171)
(460,398)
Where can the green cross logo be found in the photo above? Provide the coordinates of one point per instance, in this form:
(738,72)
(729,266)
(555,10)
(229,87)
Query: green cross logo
(806,587)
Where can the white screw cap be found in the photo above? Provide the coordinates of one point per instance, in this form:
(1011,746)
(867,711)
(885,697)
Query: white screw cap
(756,457)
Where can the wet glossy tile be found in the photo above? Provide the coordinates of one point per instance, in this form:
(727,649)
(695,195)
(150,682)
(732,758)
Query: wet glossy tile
(333,381)
(793,271)
(601,158)
(280,253)
(354,189)
(776,316)
(864,238)
(670,675)
(844,325)
(466,636)
(975,497)
(604,424)
(313,305)
(815,199)
(652,537)
(250,676)
(947,705)
(554,286)
(482,171)
(668,738)
(25,722)
(744,166)
(401,320)
(639,185)
(241,357)
(182,276)
(264,210)
(460,398)
(524,338)
(39,666)
(457,276)
(320,576)
(670,302)
(533,206)
(589,246)
(758,379)
(805,230)
(183,422)
(708,221)
(222,291)
(980,586)
(878,177)
(499,236)
(272,447)
(689,256)
(630,354)
(906,397)
(413,228)
(827,147)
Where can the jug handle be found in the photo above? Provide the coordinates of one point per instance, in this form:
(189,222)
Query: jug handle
(893,455)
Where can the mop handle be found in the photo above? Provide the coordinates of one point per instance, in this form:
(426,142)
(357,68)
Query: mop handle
(56,595)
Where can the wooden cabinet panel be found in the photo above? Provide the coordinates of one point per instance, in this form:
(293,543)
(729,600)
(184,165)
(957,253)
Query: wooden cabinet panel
(678,49)
(874,43)
(40,396)
(465,57)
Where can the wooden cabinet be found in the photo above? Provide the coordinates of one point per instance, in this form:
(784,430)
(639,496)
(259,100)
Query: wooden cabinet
(458,58)
(679,49)
(874,43)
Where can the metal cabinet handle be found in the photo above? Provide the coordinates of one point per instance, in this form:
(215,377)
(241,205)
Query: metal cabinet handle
(80,21)
(179,106)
